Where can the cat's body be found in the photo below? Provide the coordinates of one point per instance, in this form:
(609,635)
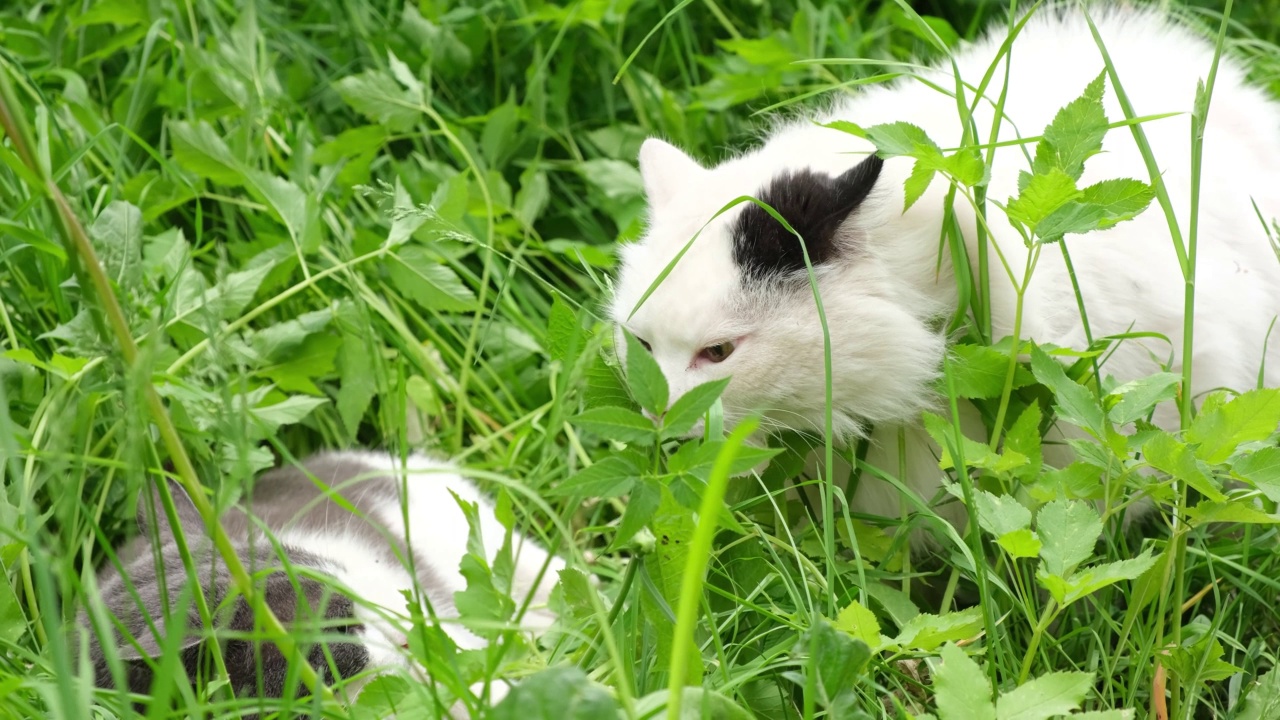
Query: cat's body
(372,553)
(744,283)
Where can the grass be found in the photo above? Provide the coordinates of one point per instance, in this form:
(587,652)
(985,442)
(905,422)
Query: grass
(315,218)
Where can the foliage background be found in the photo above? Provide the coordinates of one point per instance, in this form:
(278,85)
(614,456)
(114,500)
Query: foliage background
(317,215)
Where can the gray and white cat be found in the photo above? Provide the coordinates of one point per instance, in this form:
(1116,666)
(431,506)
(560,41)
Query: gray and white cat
(350,571)
(739,305)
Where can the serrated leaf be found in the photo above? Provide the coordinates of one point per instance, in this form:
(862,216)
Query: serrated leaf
(1043,194)
(898,139)
(1261,468)
(200,149)
(837,657)
(1119,199)
(861,623)
(1075,134)
(288,411)
(562,327)
(1045,697)
(641,507)
(1237,511)
(697,461)
(1074,403)
(376,95)
(672,526)
(295,208)
(1000,515)
(1139,398)
(563,692)
(1024,438)
(313,358)
(359,385)
(117,236)
(532,197)
(1263,700)
(967,167)
(690,407)
(926,631)
(612,476)
(1021,543)
(1068,530)
(618,424)
(1164,452)
(418,275)
(916,184)
(644,377)
(1092,579)
(978,371)
(962,691)
(1250,417)
(229,297)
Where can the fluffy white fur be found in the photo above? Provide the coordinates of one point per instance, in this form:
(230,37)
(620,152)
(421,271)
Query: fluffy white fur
(437,530)
(883,300)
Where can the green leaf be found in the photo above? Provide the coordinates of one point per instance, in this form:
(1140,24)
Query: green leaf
(310,360)
(359,384)
(114,12)
(562,330)
(672,527)
(376,95)
(532,197)
(1261,468)
(1118,199)
(861,623)
(618,424)
(1069,529)
(1219,429)
(917,183)
(926,632)
(696,703)
(418,274)
(976,371)
(117,236)
(1263,700)
(1236,511)
(690,407)
(1041,197)
(559,693)
(838,658)
(1164,452)
(295,208)
(1074,403)
(200,149)
(962,691)
(612,476)
(1139,398)
(641,507)
(1021,543)
(967,167)
(1001,515)
(1092,579)
(1045,697)
(899,139)
(644,377)
(697,461)
(287,412)
(1024,438)
(1075,134)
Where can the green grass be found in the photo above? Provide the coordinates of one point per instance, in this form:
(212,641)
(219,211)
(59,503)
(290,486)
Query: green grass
(318,216)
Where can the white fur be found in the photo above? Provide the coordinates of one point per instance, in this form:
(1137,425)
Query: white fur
(437,530)
(882,299)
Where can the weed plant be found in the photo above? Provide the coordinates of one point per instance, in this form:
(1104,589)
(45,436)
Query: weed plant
(312,222)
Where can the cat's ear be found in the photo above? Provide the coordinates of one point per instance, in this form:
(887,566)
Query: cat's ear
(667,171)
(151,511)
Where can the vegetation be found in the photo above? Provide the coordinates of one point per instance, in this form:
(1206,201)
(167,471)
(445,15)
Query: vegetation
(318,219)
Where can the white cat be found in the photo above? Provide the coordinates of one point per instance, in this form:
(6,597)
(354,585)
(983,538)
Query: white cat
(739,304)
(402,513)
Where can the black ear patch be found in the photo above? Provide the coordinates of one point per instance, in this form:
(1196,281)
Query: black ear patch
(815,204)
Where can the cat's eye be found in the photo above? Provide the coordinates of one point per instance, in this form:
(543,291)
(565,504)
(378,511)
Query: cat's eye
(718,352)
(644,344)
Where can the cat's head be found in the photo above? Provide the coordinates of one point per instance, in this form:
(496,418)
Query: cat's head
(739,302)
(154,611)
